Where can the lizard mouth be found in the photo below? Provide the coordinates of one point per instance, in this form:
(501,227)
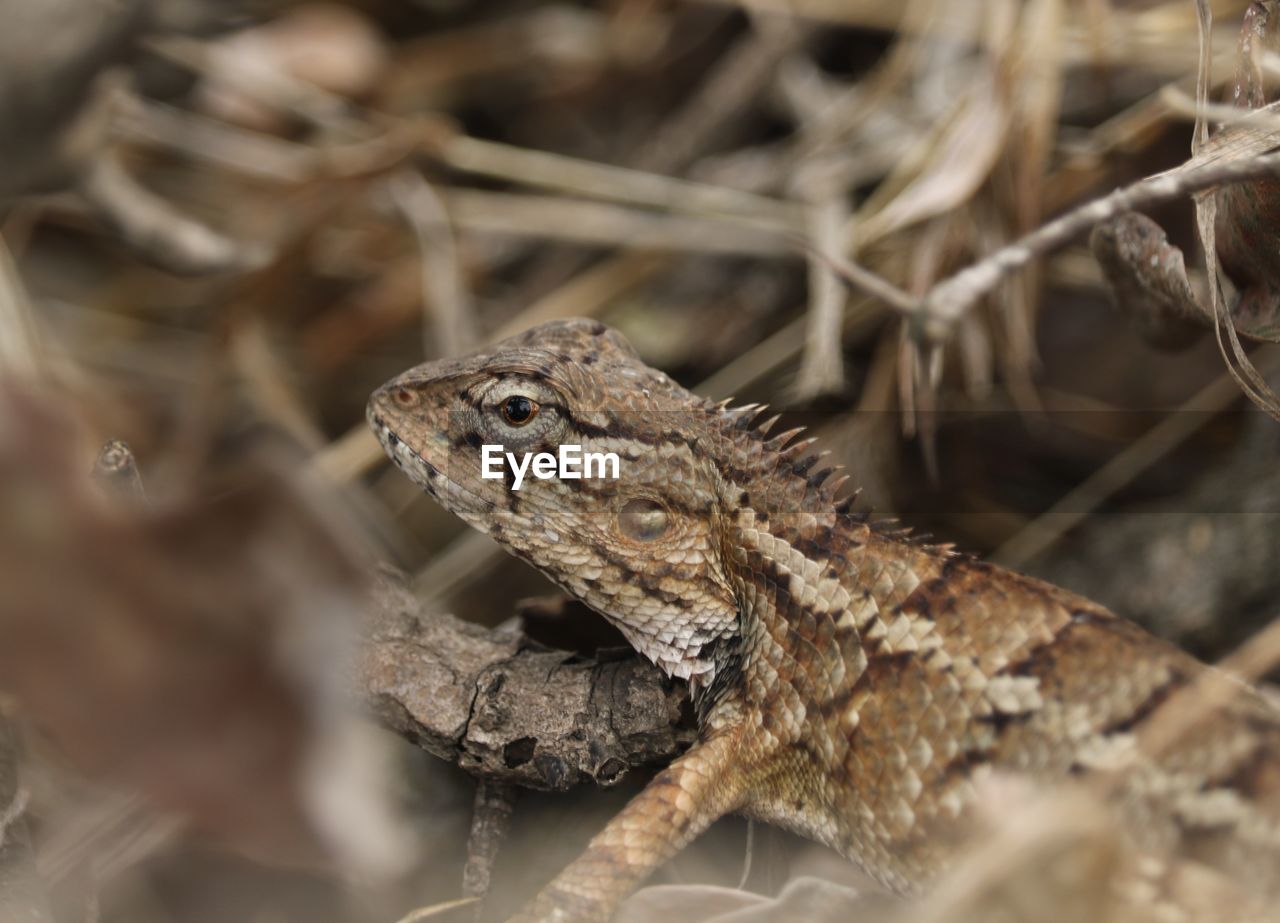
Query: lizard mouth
(403,456)
(436,482)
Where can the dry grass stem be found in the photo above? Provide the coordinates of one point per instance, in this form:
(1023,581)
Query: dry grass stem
(444,293)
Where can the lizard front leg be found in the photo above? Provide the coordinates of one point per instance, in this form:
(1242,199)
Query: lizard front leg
(682,801)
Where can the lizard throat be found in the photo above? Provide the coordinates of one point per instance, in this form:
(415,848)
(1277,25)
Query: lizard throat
(682,651)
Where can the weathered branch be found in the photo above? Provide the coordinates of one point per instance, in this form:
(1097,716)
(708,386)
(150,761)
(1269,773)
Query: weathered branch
(942,307)
(1148,280)
(505,709)
(950,299)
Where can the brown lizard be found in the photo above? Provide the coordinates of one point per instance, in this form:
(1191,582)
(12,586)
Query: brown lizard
(852,684)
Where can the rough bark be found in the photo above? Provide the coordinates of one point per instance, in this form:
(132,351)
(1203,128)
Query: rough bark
(506,709)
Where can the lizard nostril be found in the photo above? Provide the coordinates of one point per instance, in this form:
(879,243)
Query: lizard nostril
(404,397)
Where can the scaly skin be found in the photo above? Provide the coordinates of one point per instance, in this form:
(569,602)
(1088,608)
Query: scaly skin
(852,685)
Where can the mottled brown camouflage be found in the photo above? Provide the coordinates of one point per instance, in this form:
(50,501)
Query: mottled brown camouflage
(853,685)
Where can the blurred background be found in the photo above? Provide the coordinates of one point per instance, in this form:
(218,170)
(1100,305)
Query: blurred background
(224,223)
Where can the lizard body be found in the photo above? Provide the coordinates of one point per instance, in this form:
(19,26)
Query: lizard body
(852,685)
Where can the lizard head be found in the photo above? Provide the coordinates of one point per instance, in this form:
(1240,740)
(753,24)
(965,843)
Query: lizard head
(637,538)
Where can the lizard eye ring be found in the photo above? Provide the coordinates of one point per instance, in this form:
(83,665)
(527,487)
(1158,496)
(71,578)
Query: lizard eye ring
(519,410)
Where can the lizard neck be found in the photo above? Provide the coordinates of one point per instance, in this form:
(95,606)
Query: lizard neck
(813,582)
(780,540)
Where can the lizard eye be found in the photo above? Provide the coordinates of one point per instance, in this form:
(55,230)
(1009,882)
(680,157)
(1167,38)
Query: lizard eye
(519,410)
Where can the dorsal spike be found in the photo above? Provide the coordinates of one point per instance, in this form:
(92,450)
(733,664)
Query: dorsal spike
(745,415)
(779,442)
(891,527)
(800,447)
(844,506)
(802,466)
(818,478)
(834,485)
(763,428)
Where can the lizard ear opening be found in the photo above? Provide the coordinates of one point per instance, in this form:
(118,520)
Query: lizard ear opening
(643,519)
